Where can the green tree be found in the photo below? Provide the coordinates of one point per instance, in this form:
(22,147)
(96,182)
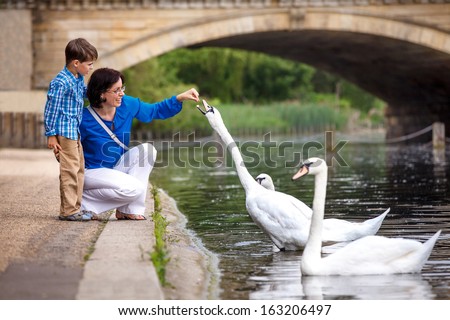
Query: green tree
(236,75)
(231,76)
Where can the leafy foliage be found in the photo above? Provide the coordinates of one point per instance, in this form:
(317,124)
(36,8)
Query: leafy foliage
(239,76)
(287,94)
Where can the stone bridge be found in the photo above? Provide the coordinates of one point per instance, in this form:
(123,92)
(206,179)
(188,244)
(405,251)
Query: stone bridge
(399,50)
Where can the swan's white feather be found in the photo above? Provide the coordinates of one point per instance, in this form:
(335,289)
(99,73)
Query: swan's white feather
(279,218)
(364,256)
(334,230)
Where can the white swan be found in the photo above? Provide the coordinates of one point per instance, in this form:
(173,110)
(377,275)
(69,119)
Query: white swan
(338,229)
(283,218)
(365,256)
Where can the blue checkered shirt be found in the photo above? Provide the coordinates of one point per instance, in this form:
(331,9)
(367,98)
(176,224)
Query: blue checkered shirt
(64,106)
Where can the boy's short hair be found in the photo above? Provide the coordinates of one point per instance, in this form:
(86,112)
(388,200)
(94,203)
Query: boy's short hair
(80,49)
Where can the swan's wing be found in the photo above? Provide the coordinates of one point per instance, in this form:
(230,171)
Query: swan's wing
(379,219)
(385,249)
(274,211)
(278,217)
(373,254)
(336,228)
(303,208)
(343,230)
(299,205)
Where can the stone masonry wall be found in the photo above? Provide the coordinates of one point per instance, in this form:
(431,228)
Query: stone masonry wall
(16,54)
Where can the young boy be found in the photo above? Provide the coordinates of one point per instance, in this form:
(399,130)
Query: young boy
(62,118)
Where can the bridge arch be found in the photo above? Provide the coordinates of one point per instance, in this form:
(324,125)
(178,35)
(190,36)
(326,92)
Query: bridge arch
(401,62)
(158,42)
(189,34)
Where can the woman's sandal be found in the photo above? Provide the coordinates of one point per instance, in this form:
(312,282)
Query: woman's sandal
(129,216)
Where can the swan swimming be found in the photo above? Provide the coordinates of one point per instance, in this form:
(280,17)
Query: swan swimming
(337,229)
(283,218)
(365,256)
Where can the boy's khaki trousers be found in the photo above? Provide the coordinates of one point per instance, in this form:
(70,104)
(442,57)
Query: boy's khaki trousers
(71,175)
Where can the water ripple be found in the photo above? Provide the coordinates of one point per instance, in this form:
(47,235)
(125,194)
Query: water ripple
(408,180)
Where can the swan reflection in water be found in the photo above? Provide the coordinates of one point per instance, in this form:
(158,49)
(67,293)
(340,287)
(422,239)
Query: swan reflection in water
(282,279)
(368,287)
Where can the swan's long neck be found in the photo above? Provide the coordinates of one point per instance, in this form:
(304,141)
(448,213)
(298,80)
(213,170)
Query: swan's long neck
(314,245)
(246,179)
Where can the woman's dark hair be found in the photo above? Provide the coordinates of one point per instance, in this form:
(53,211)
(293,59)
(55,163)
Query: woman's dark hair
(101,81)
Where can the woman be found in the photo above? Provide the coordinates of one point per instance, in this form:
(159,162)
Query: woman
(117,178)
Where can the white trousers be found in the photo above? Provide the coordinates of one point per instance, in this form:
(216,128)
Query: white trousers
(124,187)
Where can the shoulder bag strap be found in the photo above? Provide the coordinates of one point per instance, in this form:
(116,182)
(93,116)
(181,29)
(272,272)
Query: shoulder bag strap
(104,126)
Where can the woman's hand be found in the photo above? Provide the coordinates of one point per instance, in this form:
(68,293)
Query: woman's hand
(191,94)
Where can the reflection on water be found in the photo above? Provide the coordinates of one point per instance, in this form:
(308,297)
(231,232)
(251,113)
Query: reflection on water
(403,286)
(413,181)
(282,280)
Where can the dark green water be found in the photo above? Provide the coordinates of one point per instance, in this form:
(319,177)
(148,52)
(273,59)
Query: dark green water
(365,180)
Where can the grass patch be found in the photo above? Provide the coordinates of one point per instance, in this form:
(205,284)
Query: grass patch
(91,248)
(160,254)
(278,118)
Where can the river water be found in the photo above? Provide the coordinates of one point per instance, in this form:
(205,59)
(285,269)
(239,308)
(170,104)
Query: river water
(364,180)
